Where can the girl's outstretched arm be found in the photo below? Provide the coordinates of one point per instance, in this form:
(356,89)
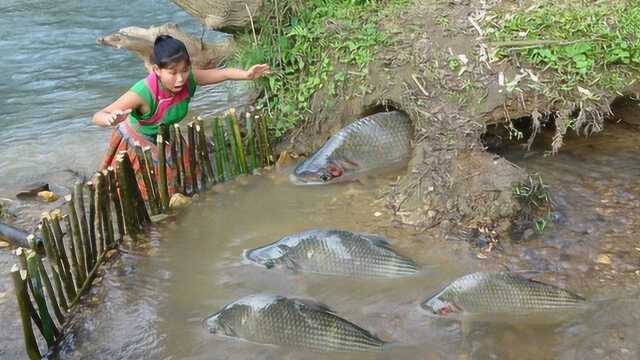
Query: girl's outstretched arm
(118,110)
(214,76)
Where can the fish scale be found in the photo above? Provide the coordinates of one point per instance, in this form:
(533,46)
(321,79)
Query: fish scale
(292,322)
(336,252)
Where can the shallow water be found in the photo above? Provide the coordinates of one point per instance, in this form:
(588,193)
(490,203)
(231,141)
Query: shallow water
(152,305)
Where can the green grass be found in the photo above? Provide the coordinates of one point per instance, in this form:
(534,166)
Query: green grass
(536,201)
(591,44)
(304,41)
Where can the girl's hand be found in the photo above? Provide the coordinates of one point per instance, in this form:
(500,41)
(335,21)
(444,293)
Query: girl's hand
(114,117)
(257,71)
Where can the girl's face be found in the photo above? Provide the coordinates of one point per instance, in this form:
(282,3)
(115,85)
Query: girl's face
(174,77)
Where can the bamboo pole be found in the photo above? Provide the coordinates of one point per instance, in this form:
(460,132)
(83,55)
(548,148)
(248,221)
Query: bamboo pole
(54,266)
(92,220)
(102,190)
(191,136)
(113,194)
(78,277)
(50,331)
(148,180)
(162,173)
(239,148)
(86,284)
(51,228)
(251,145)
(84,228)
(126,198)
(173,150)
(22,297)
(99,220)
(218,139)
(148,159)
(200,150)
(53,301)
(217,162)
(75,229)
(22,261)
(205,148)
(182,172)
(235,163)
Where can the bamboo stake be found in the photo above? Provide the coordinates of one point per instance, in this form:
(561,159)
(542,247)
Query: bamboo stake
(141,214)
(162,173)
(88,280)
(53,301)
(220,150)
(102,188)
(173,150)
(54,266)
(78,277)
(153,175)
(239,148)
(182,172)
(126,198)
(191,136)
(22,297)
(113,194)
(50,331)
(99,223)
(235,163)
(75,228)
(205,148)
(217,164)
(22,261)
(84,228)
(200,151)
(148,180)
(51,229)
(251,145)
(92,220)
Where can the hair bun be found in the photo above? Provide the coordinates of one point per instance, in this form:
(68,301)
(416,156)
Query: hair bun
(161,38)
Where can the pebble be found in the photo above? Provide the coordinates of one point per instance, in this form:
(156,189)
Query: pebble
(603,259)
(179,201)
(47,196)
(4,244)
(377,214)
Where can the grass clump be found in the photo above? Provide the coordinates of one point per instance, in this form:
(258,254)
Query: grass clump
(584,43)
(303,40)
(535,199)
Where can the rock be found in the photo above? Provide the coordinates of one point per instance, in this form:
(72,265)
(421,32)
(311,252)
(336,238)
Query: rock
(32,190)
(528,234)
(4,244)
(603,259)
(47,196)
(179,201)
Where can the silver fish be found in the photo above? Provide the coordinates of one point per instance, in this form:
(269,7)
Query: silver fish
(334,252)
(503,293)
(372,143)
(291,322)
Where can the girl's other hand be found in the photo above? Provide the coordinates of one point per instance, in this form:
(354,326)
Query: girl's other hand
(257,71)
(115,117)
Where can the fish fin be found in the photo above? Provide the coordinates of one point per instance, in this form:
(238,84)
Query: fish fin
(377,240)
(290,264)
(524,273)
(314,305)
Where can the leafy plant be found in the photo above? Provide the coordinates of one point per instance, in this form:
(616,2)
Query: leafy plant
(536,200)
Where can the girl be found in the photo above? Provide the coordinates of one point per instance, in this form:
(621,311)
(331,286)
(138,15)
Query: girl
(161,98)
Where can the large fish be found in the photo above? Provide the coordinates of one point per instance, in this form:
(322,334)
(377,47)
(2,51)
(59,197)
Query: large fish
(504,294)
(377,142)
(334,252)
(276,320)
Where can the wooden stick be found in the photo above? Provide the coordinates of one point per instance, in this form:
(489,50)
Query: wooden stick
(22,297)
(235,162)
(126,198)
(102,189)
(141,209)
(87,283)
(51,228)
(50,331)
(148,179)
(22,261)
(251,145)
(205,147)
(173,150)
(92,220)
(75,228)
(53,301)
(200,151)
(239,148)
(182,172)
(113,195)
(162,173)
(79,204)
(78,277)
(56,270)
(99,224)
(191,136)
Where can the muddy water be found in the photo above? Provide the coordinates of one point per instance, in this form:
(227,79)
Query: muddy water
(155,297)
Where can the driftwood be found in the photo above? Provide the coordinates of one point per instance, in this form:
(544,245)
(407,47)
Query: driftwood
(140,41)
(224,15)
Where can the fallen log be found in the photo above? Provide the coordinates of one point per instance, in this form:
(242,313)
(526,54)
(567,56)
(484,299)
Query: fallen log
(223,15)
(140,41)
(18,237)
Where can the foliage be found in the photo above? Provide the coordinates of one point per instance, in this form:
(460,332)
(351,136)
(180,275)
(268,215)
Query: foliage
(536,200)
(587,44)
(303,40)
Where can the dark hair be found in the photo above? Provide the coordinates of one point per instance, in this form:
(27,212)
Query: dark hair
(168,51)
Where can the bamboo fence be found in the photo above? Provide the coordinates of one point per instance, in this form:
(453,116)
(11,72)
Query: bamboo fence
(77,242)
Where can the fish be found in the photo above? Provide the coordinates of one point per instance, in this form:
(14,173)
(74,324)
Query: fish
(370,144)
(290,322)
(334,252)
(19,237)
(504,294)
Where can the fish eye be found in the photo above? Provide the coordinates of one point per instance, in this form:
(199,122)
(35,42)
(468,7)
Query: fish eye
(325,177)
